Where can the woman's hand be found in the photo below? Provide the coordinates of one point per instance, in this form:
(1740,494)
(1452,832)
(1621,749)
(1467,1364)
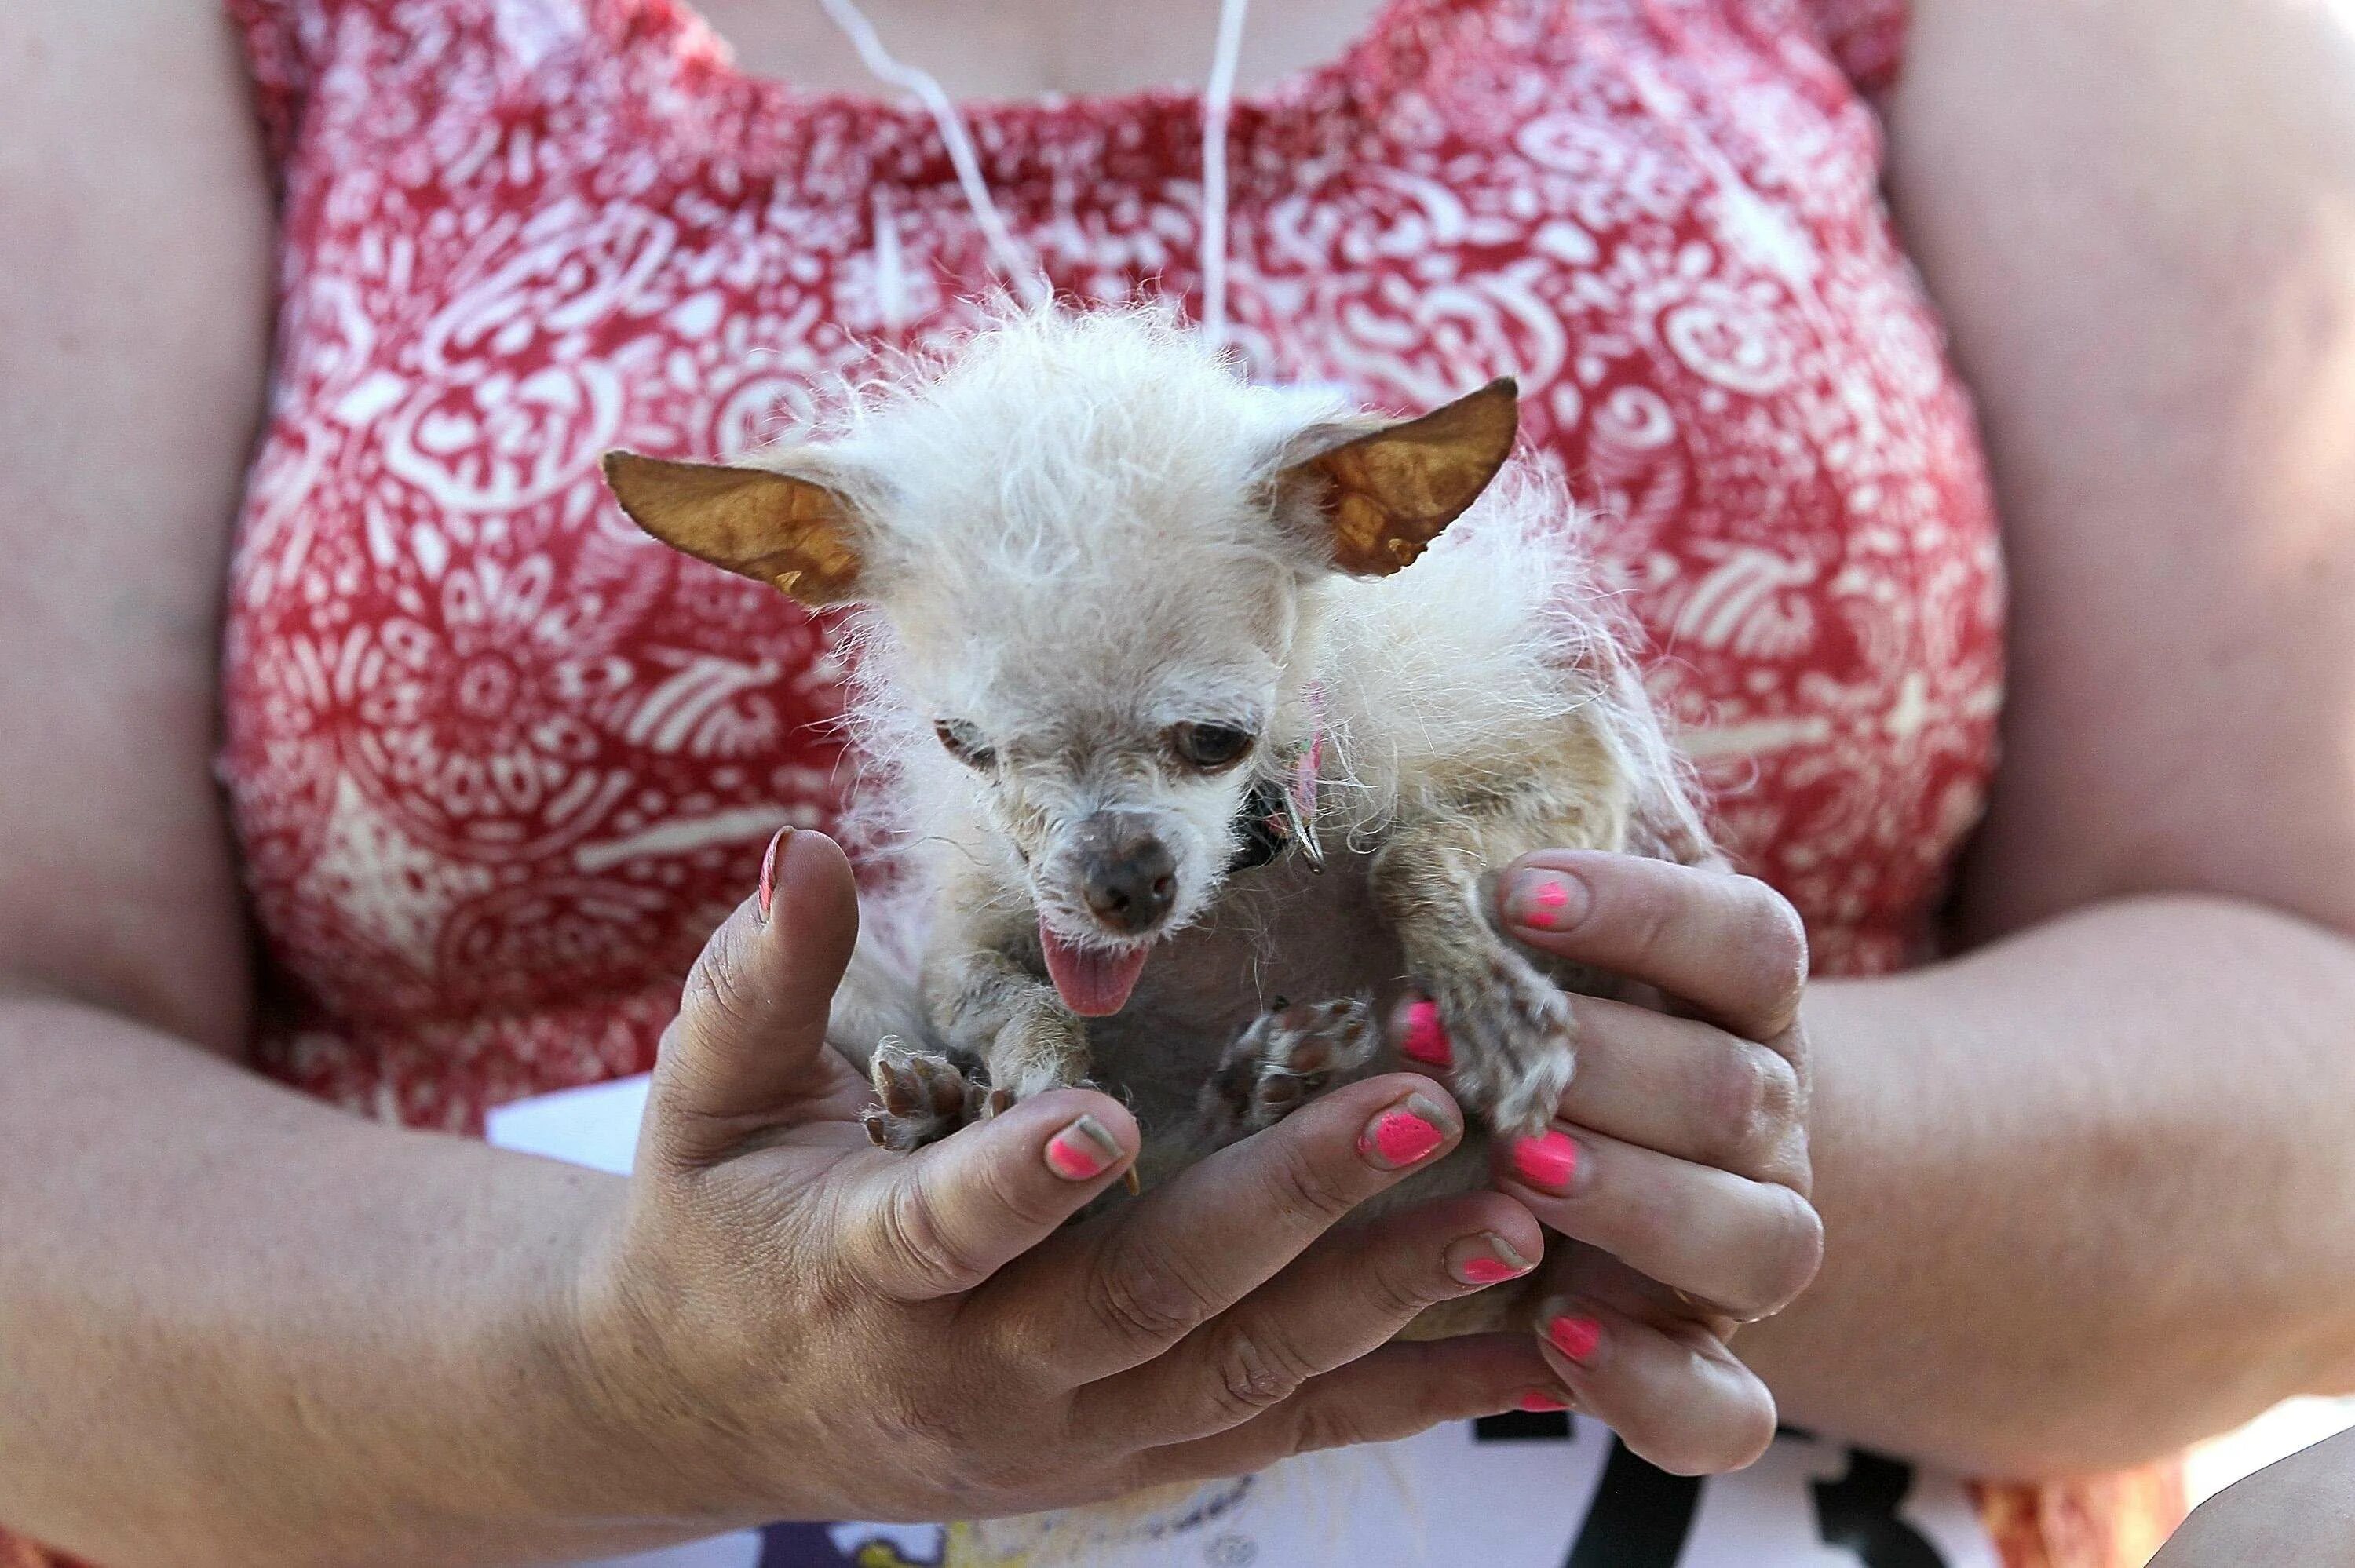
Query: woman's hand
(1678,1157)
(788,1323)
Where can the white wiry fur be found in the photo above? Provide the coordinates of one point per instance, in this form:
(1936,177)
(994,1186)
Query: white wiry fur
(1073,536)
(1086,530)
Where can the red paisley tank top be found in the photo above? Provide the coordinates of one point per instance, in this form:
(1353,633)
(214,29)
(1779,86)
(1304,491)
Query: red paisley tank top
(497,764)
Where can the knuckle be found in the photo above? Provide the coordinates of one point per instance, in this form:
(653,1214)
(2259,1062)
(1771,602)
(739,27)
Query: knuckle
(1745,1435)
(910,1424)
(1776,944)
(717,994)
(1145,1303)
(1297,1183)
(1706,1435)
(1398,1292)
(1650,913)
(1026,1203)
(1325,1423)
(1735,1443)
(1257,1372)
(988,1466)
(1781,1258)
(1799,1252)
(913,1234)
(1741,1123)
(1782,1098)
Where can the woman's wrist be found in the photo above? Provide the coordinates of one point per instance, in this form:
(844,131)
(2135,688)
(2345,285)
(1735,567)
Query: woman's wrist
(2123,1260)
(626,1369)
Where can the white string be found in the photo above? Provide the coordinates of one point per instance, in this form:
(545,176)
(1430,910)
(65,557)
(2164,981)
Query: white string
(1217,108)
(1020,271)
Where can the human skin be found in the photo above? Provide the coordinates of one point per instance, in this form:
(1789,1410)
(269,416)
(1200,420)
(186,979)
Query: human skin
(2121,1123)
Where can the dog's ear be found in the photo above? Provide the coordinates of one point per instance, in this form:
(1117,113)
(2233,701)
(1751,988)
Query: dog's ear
(1386,491)
(778,528)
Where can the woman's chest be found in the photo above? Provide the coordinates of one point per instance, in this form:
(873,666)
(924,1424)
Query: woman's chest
(489,749)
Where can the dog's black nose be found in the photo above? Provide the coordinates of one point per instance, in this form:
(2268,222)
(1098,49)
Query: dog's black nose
(1127,875)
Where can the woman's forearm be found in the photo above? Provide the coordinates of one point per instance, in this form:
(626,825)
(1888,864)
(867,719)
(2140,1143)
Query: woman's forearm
(2088,1192)
(238,1326)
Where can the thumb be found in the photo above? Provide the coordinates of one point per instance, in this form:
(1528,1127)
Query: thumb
(748,1050)
(944,1219)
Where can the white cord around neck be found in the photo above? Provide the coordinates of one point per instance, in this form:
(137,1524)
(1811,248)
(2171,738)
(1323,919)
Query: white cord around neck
(1024,273)
(1217,108)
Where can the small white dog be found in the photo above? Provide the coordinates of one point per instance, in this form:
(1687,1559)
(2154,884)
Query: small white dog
(1195,713)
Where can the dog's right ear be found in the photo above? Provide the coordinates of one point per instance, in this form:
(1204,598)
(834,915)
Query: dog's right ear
(777,528)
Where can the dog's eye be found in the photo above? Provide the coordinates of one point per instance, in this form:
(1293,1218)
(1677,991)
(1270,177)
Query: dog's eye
(964,742)
(1210,746)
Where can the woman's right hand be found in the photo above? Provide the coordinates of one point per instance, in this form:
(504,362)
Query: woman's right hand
(786,1322)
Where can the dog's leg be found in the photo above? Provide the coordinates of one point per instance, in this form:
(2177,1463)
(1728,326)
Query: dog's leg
(1511,1027)
(1282,1059)
(985,1002)
(1005,1037)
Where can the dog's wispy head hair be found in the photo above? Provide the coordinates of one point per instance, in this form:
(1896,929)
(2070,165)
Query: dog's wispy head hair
(1095,551)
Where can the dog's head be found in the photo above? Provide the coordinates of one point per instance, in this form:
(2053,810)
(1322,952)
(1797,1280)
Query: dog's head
(1097,548)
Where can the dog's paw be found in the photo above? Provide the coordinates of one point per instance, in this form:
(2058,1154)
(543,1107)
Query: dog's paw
(1288,1056)
(1514,1039)
(1040,1049)
(923,1097)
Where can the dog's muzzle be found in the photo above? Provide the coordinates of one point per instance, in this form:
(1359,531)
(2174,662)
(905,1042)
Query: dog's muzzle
(1127,875)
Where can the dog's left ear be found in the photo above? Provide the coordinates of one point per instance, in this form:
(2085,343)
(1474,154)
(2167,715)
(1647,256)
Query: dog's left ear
(1386,493)
(777,528)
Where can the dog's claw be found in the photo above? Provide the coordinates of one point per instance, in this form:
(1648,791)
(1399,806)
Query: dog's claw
(1289,1055)
(923,1097)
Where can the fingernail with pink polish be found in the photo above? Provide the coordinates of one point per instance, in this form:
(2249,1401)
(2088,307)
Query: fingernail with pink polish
(1405,1133)
(1547,1162)
(1545,900)
(1083,1152)
(1486,1259)
(1537,1402)
(769,858)
(1426,1037)
(1573,1337)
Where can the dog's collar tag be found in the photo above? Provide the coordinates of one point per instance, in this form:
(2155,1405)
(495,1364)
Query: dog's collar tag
(1300,798)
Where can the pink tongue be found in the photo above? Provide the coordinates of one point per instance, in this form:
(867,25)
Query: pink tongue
(1092,983)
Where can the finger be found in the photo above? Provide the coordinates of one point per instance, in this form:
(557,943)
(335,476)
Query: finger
(748,1050)
(1673,1393)
(1349,1294)
(1681,1086)
(1396,1392)
(1128,1290)
(1744,1248)
(945,1218)
(1731,946)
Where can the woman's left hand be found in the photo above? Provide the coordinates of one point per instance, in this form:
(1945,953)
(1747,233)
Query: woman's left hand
(1678,1154)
